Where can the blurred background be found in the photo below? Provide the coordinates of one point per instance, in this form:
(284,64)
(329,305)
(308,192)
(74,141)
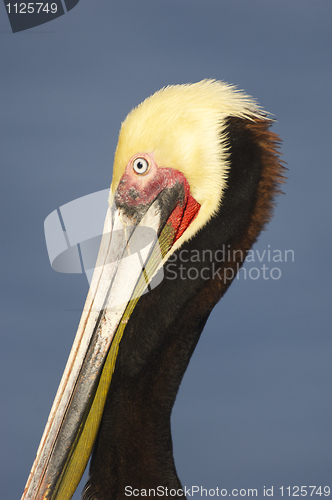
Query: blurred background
(254,409)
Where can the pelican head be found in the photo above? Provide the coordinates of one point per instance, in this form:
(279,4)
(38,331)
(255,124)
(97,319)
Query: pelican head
(195,170)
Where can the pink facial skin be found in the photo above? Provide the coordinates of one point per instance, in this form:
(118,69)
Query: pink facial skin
(141,189)
(138,189)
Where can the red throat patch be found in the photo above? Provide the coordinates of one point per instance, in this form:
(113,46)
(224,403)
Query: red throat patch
(183,214)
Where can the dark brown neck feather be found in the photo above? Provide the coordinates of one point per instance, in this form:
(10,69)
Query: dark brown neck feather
(134,446)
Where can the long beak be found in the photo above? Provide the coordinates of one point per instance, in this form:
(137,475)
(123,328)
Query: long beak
(129,256)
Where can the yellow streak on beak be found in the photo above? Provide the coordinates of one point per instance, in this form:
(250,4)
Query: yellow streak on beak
(82,446)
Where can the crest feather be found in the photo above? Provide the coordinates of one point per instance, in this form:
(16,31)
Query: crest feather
(183,126)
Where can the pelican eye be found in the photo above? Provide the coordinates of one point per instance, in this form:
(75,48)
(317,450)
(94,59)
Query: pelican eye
(140,165)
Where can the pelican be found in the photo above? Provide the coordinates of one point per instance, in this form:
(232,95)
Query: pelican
(195,174)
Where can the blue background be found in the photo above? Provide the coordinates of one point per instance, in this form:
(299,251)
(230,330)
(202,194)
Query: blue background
(254,408)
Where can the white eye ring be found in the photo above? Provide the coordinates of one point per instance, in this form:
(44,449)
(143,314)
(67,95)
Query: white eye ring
(140,165)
